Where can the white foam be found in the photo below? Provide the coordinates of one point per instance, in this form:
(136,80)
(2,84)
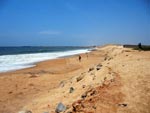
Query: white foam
(21,61)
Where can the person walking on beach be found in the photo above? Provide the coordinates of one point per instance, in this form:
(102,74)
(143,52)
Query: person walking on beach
(87,55)
(140,46)
(79,58)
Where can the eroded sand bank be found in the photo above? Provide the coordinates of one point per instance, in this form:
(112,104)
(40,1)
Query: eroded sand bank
(111,79)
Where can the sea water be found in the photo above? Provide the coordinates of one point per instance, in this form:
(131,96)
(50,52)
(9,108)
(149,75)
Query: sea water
(15,58)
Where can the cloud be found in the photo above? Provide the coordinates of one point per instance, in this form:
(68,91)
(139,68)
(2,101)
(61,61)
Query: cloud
(50,32)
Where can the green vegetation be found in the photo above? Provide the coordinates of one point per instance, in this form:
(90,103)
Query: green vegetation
(143,48)
(138,47)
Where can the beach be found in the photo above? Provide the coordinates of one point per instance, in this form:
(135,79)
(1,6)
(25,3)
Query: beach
(110,79)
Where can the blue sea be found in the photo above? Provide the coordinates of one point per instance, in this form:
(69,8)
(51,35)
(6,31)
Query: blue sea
(15,58)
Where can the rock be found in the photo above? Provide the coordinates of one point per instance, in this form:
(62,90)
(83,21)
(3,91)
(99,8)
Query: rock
(122,105)
(10,92)
(83,86)
(99,65)
(33,76)
(80,78)
(98,68)
(77,106)
(105,78)
(94,107)
(62,84)
(105,58)
(25,111)
(84,95)
(91,69)
(110,58)
(71,90)
(60,108)
(83,73)
(93,93)
(112,80)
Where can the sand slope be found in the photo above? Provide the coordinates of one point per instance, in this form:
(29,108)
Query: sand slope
(112,79)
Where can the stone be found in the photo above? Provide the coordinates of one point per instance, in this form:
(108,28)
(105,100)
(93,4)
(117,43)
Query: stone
(105,58)
(99,65)
(98,68)
(60,108)
(122,105)
(77,106)
(83,86)
(105,78)
(84,95)
(93,92)
(62,84)
(91,69)
(71,90)
(94,107)
(80,78)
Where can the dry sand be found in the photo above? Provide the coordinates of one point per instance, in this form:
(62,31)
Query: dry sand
(111,79)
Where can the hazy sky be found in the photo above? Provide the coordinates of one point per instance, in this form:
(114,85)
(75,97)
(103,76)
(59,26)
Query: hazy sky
(74,22)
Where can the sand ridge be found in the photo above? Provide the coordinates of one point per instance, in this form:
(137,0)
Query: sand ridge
(111,79)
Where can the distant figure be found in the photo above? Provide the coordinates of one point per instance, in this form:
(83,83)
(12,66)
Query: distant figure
(140,46)
(87,55)
(79,58)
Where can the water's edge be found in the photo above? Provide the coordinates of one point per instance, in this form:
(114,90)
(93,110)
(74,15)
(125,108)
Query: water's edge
(9,63)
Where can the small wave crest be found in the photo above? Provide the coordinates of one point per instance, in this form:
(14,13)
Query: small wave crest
(21,61)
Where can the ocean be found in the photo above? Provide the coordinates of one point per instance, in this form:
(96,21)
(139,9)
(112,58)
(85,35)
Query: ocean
(15,58)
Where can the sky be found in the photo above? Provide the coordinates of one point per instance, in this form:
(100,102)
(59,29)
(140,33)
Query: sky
(74,22)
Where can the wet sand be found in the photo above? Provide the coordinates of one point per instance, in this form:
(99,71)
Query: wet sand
(111,79)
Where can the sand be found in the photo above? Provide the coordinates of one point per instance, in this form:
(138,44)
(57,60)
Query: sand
(111,79)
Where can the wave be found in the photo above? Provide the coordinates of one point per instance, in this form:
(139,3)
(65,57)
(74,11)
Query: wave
(21,61)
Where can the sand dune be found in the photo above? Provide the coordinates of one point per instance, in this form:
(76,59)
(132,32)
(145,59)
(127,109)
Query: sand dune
(111,79)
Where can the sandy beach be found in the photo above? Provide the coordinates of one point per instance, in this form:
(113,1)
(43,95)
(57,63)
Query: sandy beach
(111,79)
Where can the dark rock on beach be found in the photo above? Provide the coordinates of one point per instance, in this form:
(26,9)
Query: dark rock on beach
(91,69)
(80,78)
(60,108)
(71,90)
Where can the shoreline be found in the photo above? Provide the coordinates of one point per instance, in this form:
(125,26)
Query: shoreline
(108,77)
(34,64)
